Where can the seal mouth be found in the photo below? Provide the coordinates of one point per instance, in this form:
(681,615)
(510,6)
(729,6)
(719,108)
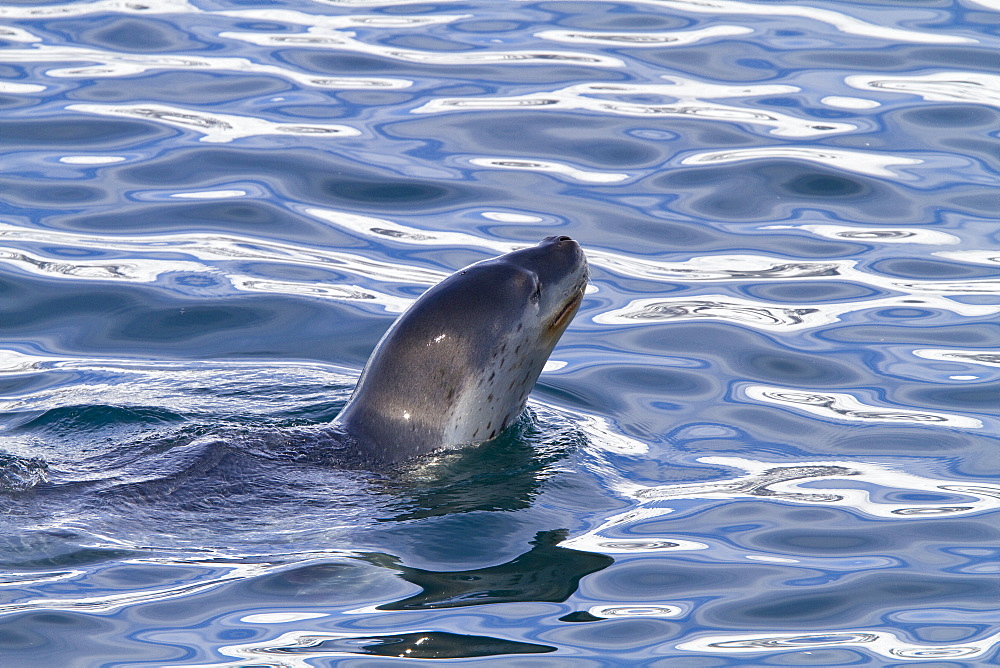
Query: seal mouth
(561,319)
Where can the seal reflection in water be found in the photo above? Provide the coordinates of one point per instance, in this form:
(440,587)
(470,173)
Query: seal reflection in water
(456,368)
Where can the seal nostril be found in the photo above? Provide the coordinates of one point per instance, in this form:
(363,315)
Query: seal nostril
(563,238)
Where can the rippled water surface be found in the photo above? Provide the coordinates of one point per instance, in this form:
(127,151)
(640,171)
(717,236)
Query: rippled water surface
(768,438)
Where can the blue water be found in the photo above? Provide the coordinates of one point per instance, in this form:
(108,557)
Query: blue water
(768,438)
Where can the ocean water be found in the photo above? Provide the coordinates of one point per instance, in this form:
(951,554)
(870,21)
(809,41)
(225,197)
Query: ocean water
(769,438)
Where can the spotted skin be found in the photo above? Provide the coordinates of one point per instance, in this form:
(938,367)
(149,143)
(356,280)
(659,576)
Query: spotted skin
(457,367)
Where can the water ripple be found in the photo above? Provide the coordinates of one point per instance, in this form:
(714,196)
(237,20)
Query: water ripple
(215,127)
(769,315)
(113,64)
(549,167)
(983,357)
(643,39)
(866,488)
(883,235)
(873,164)
(688,94)
(841,406)
(838,20)
(883,643)
(974,87)
(212,253)
(323,39)
(99,7)
(12,34)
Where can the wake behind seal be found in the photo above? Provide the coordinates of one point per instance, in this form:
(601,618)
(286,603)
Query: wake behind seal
(457,367)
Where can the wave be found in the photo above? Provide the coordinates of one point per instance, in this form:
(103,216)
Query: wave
(113,64)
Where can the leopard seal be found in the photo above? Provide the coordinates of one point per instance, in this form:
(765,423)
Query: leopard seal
(457,366)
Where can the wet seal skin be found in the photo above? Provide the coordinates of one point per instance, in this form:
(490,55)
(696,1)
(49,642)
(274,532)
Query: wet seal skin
(457,367)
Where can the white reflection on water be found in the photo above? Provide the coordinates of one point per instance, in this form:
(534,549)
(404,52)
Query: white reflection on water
(202,575)
(100,6)
(792,482)
(342,41)
(643,39)
(769,315)
(975,256)
(19,88)
(842,22)
(215,127)
(12,34)
(842,406)
(114,64)
(648,310)
(849,102)
(131,270)
(689,98)
(550,167)
(884,643)
(349,293)
(881,235)
(208,248)
(346,21)
(867,487)
(637,610)
(974,87)
(983,357)
(91,159)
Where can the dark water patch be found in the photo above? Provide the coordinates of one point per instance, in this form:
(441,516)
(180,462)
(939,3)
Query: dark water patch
(234,217)
(420,645)
(862,598)
(619,634)
(474,25)
(85,418)
(54,549)
(319,113)
(776,186)
(653,580)
(982,334)
(980,398)
(742,61)
(35,637)
(597,143)
(924,269)
(890,441)
(29,193)
(811,293)
(553,73)
(786,367)
(503,475)
(399,192)
(190,323)
(77,133)
(180,88)
(959,57)
(580,616)
(911,539)
(130,35)
(15,102)
(427,43)
(983,203)
(323,583)
(547,572)
(144,322)
(944,116)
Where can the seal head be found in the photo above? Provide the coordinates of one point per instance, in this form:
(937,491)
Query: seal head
(456,368)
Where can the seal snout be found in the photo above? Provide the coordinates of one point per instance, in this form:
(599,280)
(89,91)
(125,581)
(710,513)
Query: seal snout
(556,239)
